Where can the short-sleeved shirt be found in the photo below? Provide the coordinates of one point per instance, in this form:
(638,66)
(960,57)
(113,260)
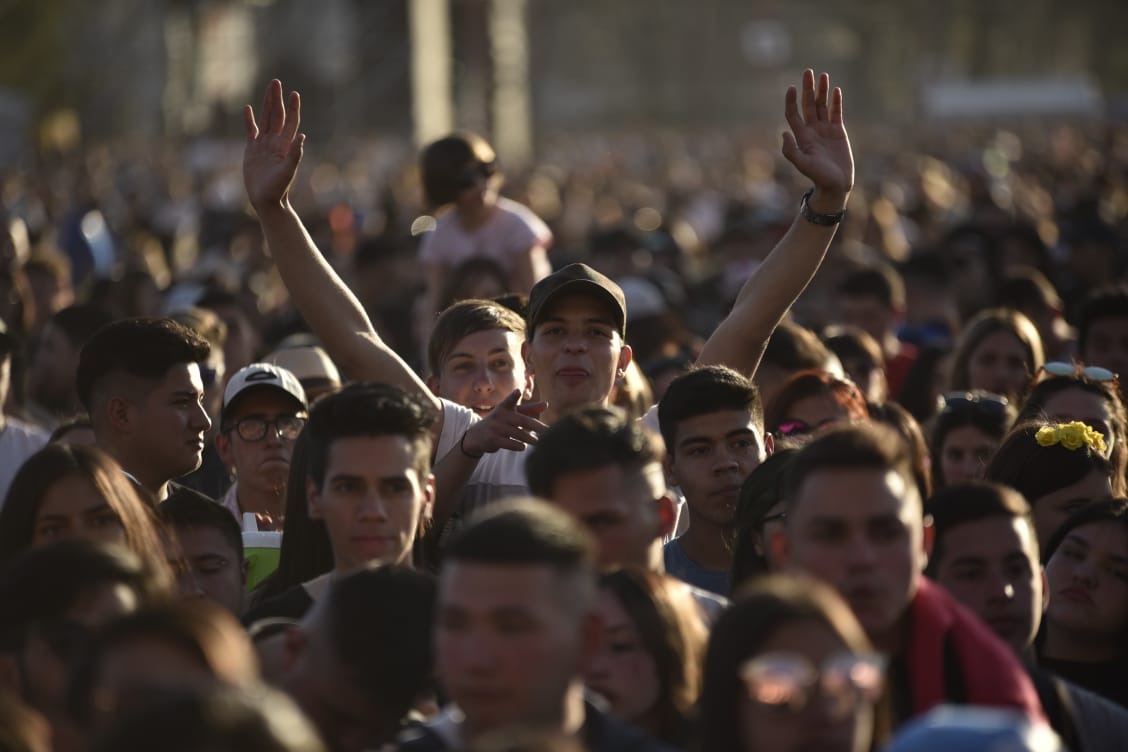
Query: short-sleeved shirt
(510,232)
(679,565)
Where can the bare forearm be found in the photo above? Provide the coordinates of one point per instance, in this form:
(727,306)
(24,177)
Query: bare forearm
(451,473)
(765,298)
(329,306)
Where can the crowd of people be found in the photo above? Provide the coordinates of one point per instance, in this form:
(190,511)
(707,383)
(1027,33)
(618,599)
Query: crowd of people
(599,465)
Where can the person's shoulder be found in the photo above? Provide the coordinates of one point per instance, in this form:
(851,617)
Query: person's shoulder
(516,214)
(292,603)
(175,489)
(25,431)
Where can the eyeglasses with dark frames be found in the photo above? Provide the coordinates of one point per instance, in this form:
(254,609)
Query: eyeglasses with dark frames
(254,427)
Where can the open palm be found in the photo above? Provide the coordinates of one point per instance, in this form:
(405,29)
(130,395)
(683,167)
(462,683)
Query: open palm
(817,143)
(274,147)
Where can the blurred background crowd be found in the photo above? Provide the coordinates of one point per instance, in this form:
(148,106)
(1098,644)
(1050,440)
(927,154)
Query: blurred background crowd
(644,133)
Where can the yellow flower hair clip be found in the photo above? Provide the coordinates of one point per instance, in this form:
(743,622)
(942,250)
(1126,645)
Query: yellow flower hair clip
(1071,436)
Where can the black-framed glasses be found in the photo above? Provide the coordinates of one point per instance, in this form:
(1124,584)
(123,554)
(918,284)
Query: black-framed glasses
(253,428)
(789,681)
(1060,369)
(987,403)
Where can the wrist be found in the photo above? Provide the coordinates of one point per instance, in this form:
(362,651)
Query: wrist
(467,453)
(820,218)
(827,200)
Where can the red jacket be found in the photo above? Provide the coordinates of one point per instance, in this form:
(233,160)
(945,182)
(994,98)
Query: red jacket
(949,644)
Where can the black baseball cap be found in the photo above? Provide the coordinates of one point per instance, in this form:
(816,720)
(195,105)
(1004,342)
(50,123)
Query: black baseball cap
(577,278)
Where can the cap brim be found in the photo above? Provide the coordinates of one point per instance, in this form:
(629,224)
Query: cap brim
(580,287)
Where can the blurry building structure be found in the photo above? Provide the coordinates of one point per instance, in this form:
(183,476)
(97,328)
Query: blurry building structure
(518,69)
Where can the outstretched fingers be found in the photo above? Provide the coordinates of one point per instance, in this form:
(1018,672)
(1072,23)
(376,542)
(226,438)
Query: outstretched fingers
(836,106)
(293,117)
(821,97)
(809,110)
(249,122)
(791,109)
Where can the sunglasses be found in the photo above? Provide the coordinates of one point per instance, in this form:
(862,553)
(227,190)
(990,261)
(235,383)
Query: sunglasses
(789,681)
(801,427)
(475,172)
(986,403)
(1059,369)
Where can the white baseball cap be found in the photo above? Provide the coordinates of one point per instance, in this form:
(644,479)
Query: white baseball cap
(259,375)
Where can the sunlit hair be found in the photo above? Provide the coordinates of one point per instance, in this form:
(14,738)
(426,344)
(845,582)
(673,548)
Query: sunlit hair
(983,325)
(813,383)
(443,163)
(672,632)
(758,612)
(57,462)
(632,392)
(464,318)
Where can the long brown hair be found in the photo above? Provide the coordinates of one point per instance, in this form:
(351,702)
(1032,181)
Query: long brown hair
(672,632)
(58,461)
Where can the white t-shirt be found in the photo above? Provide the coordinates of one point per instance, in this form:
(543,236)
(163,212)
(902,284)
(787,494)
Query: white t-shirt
(498,475)
(510,232)
(501,474)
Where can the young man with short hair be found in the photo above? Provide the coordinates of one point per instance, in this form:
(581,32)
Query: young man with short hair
(140,381)
(209,547)
(361,658)
(985,553)
(369,482)
(855,520)
(713,425)
(516,628)
(474,355)
(606,471)
(264,411)
(574,347)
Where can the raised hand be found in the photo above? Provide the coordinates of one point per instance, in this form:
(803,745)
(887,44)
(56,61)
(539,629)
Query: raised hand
(274,147)
(508,426)
(817,143)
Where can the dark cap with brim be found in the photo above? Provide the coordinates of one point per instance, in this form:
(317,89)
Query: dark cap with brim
(577,279)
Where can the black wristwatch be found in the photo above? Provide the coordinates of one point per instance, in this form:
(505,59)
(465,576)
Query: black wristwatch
(823,220)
